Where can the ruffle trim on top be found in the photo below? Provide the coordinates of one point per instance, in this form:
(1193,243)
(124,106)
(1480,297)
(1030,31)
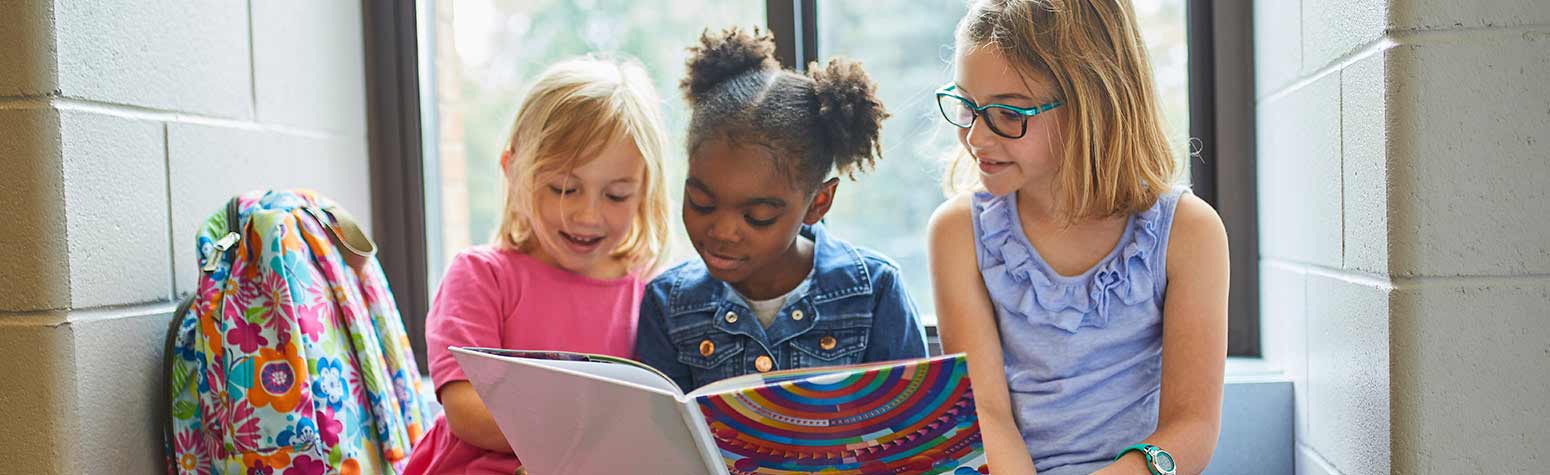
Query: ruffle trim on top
(1023,285)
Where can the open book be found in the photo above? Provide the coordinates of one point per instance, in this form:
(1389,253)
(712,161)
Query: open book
(572,413)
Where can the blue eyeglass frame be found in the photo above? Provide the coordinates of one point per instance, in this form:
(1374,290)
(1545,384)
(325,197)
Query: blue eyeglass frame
(947,91)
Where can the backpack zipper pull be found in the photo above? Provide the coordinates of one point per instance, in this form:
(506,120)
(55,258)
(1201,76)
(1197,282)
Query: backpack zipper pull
(221,246)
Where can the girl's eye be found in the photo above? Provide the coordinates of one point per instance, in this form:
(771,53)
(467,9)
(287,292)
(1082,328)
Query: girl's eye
(618,198)
(759,223)
(561,191)
(699,209)
(1009,115)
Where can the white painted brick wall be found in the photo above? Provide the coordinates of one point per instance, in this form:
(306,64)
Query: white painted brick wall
(1470,114)
(1277,45)
(1322,175)
(1475,359)
(161,116)
(186,56)
(1334,28)
(1309,462)
(1474,127)
(1299,174)
(39,416)
(1348,379)
(209,164)
(29,154)
(1364,142)
(28,39)
(115,179)
(1439,298)
(1455,14)
(1283,322)
(307,68)
(118,397)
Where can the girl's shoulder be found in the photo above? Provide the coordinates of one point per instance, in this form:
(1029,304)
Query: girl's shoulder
(516,270)
(489,258)
(953,220)
(1197,232)
(493,264)
(483,267)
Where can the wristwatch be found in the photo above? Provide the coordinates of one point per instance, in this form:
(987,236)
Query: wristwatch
(1158,461)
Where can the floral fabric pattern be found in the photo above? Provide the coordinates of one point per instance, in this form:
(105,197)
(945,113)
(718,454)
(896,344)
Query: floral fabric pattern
(291,357)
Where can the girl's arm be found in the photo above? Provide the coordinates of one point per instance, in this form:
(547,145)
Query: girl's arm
(469,419)
(966,324)
(897,332)
(654,347)
(467,311)
(1194,347)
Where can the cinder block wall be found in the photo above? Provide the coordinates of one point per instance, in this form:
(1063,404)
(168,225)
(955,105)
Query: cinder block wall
(123,124)
(1405,245)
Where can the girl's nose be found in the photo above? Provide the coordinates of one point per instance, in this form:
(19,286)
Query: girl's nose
(979,135)
(724,229)
(584,211)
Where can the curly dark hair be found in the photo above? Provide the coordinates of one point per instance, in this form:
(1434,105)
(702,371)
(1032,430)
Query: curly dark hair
(828,119)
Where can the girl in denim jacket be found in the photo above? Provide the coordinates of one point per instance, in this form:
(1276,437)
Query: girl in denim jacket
(773,289)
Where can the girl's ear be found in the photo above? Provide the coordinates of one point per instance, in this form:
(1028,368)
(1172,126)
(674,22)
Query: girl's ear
(505,159)
(821,202)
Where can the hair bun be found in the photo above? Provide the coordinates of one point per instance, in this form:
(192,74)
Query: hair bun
(725,55)
(850,113)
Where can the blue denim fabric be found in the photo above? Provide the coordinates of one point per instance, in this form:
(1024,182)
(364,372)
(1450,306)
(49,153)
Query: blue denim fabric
(854,295)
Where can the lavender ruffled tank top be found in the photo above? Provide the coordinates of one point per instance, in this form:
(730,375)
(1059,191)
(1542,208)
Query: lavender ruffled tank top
(1083,353)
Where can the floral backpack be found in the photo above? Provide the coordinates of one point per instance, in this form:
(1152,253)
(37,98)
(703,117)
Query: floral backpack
(290,358)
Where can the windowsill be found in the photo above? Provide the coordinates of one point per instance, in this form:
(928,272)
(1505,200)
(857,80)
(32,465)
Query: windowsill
(1247,370)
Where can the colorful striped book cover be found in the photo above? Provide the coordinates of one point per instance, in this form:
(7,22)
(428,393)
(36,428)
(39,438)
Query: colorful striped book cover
(913,417)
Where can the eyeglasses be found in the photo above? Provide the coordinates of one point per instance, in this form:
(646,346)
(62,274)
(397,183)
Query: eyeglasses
(1006,121)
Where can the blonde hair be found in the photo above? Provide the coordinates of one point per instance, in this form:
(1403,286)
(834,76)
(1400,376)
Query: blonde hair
(573,110)
(1115,159)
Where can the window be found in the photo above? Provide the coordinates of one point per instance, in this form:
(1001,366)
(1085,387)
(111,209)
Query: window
(451,73)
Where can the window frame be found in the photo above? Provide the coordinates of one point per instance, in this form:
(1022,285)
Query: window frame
(1219,38)
(397,159)
(1221,114)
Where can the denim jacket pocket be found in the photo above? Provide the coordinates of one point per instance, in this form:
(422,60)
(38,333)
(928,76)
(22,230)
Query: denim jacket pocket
(830,347)
(711,355)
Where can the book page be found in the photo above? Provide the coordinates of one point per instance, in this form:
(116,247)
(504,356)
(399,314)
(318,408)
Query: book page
(560,419)
(600,365)
(913,416)
(709,453)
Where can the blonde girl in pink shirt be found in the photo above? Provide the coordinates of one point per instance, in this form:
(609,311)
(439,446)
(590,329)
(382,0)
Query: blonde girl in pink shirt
(585,223)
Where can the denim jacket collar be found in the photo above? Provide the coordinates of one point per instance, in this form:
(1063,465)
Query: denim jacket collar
(839,272)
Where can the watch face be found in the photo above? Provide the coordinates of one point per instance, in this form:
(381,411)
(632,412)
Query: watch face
(1163,462)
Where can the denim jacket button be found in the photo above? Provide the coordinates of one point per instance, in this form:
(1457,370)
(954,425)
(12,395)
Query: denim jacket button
(764,364)
(731,317)
(797,315)
(828,342)
(706,348)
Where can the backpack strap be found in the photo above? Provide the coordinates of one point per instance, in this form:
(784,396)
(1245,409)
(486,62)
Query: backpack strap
(168,437)
(346,234)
